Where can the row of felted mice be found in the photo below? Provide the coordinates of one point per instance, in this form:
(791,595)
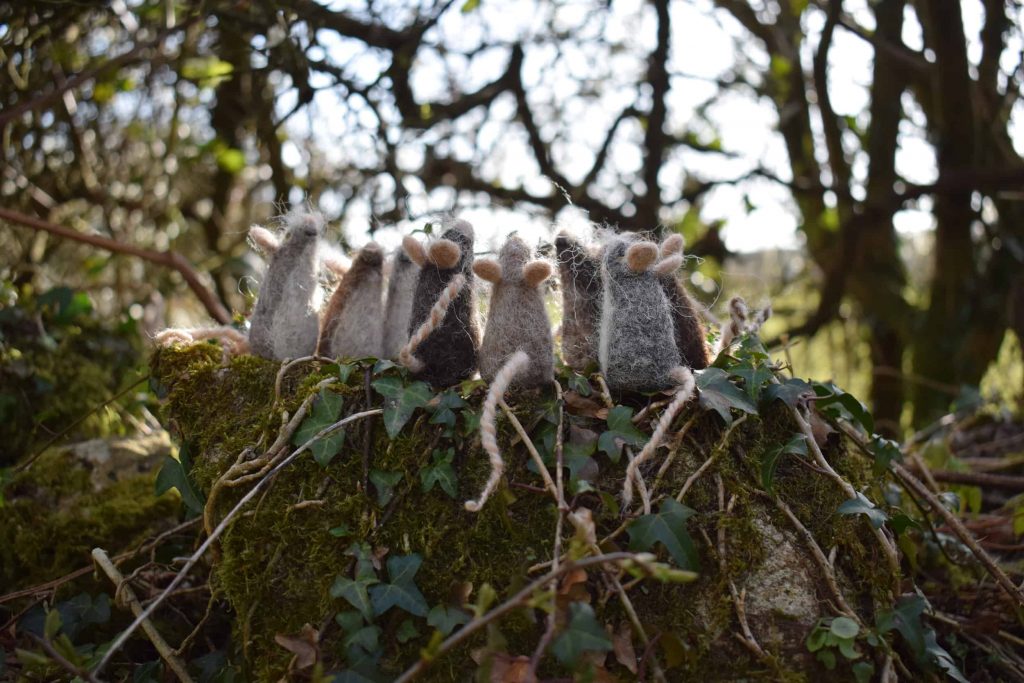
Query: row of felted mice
(624,308)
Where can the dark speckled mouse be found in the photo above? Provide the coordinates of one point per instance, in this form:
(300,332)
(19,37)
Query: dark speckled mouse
(580,275)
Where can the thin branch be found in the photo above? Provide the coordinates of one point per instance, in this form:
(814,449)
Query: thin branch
(221,528)
(169,259)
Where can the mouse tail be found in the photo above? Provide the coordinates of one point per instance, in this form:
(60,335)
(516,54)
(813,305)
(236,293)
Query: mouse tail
(488,430)
(687,387)
(406,356)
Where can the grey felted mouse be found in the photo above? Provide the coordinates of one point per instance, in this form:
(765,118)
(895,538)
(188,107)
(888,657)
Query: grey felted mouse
(516,319)
(353,322)
(580,274)
(286,323)
(398,309)
(637,348)
(443,331)
(686,319)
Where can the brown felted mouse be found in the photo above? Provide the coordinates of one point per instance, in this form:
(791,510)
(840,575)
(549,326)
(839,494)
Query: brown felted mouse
(686,319)
(398,309)
(580,275)
(353,322)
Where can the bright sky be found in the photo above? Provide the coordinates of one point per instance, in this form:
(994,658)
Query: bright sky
(702,50)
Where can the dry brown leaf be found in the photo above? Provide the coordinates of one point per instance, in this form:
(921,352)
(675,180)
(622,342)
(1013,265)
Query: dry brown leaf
(303,645)
(585,407)
(508,669)
(622,646)
(576,576)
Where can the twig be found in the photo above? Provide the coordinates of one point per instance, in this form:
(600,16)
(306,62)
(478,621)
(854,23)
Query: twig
(169,259)
(711,458)
(677,442)
(57,437)
(504,608)
(128,598)
(738,597)
(288,365)
(60,659)
(606,395)
(221,528)
(958,529)
(549,484)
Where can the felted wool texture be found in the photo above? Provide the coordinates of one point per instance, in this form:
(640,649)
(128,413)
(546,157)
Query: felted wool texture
(580,273)
(449,353)
(637,348)
(401,286)
(353,322)
(686,322)
(285,323)
(517,321)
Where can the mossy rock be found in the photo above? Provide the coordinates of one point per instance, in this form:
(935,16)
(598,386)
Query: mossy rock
(276,564)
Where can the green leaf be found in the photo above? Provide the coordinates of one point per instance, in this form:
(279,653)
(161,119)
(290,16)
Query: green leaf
(796,446)
(206,71)
(754,375)
(400,401)
(467,7)
(848,649)
(580,384)
(174,474)
(406,631)
(790,392)
(621,430)
(719,394)
(366,637)
(844,627)
(668,527)
(326,411)
(440,472)
(350,621)
(837,403)
(901,522)
(445,618)
(828,658)
(340,531)
(355,592)
(863,672)
(231,160)
(862,506)
(51,626)
(581,634)
(885,451)
(816,640)
(385,483)
(444,411)
(402,591)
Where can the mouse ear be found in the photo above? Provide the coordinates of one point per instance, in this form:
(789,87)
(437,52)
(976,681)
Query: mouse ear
(536,272)
(641,255)
(336,264)
(414,249)
(264,240)
(673,244)
(667,266)
(488,269)
(444,253)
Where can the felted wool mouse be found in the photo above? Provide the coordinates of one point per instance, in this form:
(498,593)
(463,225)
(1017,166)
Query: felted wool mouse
(580,274)
(443,331)
(286,323)
(401,287)
(516,319)
(353,322)
(637,348)
(267,243)
(686,320)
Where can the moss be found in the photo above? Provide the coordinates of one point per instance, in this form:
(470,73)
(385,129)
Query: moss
(277,563)
(53,516)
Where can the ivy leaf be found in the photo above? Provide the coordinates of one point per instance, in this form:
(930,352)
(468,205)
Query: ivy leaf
(326,411)
(795,446)
(440,472)
(580,384)
(582,634)
(444,410)
(385,483)
(445,618)
(400,401)
(862,506)
(621,430)
(406,631)
(576,456)
(837,403)
(905,617)
(885,451)
(350,621)
(791,392)
(717,393)
(402,591)
(174,474)
(366,637)
(754,376)
(668,527)
(355,592)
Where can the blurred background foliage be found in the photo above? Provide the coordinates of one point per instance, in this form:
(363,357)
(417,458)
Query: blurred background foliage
(167,126)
